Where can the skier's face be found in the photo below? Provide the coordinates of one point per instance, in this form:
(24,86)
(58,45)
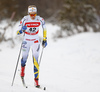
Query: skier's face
(33,15)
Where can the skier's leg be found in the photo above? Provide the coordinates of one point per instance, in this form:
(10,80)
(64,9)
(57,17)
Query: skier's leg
(22,71)
(36,72)
(35,50)
(25,50)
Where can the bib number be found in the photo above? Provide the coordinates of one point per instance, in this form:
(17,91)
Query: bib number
(32,29)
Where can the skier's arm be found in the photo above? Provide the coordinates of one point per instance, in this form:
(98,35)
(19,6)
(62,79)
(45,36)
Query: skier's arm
(44,29)
(44,33)
(21,27)
(44,42)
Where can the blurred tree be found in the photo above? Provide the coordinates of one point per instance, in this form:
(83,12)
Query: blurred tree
(45,8)
(7,7)
(82,13)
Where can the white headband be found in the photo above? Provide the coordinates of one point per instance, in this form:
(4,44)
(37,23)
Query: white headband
(32,9)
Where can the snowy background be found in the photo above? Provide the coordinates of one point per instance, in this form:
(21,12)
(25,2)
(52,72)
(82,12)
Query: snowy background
(70,64)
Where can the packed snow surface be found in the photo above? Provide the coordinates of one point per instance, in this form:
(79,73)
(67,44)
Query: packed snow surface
(70,64)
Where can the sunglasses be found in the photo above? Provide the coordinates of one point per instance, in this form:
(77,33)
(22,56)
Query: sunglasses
(33,15)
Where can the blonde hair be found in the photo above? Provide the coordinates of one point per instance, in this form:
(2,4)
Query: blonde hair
(31,6)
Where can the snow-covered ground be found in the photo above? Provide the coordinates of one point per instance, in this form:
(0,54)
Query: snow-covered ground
(69,64)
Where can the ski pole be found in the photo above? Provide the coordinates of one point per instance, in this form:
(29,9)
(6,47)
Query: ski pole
(17,60)
(16,65)
(41,55)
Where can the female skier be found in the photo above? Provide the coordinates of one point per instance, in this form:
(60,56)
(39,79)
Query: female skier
(29,25)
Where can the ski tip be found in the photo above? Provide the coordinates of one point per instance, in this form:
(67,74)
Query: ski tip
(44,88)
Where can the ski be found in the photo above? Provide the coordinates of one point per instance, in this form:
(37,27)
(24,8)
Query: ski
(23,82)
(39,87)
